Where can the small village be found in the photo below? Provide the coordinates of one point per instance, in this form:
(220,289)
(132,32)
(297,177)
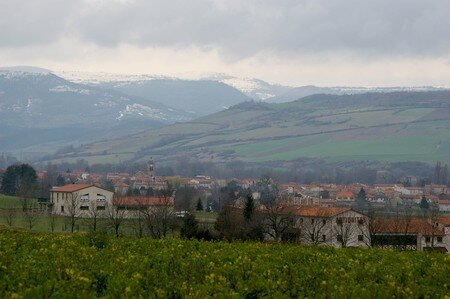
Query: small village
(354,215)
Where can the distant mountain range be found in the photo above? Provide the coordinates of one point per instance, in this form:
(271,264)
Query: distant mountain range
(390,127)
(253,88)
(39,107)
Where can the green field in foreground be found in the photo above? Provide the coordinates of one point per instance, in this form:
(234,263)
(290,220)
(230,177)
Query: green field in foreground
(90,265)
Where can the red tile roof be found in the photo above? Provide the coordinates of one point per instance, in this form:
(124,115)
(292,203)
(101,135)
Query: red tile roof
(345,193)
(316,211)
(143,201)
(405,226)
(71,187)
(444,220)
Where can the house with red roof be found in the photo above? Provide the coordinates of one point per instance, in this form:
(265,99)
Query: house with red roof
(408,234)
(81,200)
(332,226)
(138,206)
(345,194)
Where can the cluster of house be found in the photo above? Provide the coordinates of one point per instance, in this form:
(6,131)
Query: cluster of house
(310,224)
(378,195)
(141,182)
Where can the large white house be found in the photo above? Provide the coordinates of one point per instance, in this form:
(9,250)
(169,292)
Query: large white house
(333,226)
(80,199)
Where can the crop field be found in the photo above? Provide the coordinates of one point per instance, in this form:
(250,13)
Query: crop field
(90,265)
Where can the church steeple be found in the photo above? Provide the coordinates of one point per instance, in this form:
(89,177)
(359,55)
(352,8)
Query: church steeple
(151,167)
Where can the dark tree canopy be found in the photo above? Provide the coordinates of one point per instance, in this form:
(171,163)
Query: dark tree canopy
(19,180)
(199,205)
(249,207)
(361,200)
(424,205)
(190,226)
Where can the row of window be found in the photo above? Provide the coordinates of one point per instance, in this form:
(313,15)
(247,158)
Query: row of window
(84,197)
(338,238)
(86,208)
(339,221)
(100,197)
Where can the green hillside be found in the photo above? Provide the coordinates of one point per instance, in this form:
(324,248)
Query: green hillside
(401,126)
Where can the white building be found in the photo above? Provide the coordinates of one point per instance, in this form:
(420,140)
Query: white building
(444,206)
(80,199)
(333,226)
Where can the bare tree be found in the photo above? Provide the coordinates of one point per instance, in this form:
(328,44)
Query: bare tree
(160,218)
(73,209)
(95,213)
(116,216)
(344,231)
(10,215)
(278,219)
(51,219)
(433,218)
(313,230)
(30,216)
(138,217)
(231,223)
(369,228)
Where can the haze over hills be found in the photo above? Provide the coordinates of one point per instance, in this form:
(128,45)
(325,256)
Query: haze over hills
(397,126)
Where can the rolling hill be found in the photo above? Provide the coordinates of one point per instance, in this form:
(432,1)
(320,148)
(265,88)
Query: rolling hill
(392,127)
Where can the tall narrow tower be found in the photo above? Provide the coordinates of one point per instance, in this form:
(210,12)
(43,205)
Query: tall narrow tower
(151,167)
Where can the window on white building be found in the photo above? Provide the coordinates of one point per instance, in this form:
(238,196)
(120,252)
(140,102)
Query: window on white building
(360,238)
(101,197)
(439,239)
(62,209)
(84,197)
(84,208)
(100,208)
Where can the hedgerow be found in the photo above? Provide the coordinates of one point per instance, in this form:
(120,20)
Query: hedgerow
(91,265)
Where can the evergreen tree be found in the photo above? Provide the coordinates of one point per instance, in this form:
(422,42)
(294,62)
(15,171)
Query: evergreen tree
(190,226)
(361,199)
(199,205)
(60,181)
(437,173)
(19,180)
(424,205)
(249,208)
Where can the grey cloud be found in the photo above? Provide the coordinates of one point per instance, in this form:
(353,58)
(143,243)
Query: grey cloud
(25,22)
(243,28)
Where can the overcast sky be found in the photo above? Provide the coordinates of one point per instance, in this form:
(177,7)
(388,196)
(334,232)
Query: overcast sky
(294,42)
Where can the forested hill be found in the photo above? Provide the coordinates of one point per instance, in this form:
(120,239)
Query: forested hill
(399,126)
